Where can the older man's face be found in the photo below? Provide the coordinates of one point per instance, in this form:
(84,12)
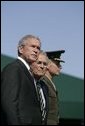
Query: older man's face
(30,50)
(39,67)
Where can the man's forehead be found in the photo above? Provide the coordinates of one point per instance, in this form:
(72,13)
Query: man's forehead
(42,58)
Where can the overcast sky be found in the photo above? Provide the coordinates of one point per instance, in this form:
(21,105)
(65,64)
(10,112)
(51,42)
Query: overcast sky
(59,25)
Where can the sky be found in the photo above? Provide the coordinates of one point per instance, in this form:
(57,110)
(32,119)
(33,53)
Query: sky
(59,25)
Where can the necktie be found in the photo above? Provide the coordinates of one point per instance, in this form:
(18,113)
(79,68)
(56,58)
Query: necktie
(42,101)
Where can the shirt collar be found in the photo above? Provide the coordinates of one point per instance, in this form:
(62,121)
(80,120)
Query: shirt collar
(25,63)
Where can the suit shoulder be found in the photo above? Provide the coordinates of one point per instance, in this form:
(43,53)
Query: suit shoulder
(11,66)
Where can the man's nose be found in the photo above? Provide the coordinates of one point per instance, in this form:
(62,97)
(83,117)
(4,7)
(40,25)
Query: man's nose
(36,50)
(42,65)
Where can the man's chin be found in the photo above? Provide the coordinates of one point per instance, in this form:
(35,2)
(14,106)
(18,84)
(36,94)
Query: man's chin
(57,74)
(33,59)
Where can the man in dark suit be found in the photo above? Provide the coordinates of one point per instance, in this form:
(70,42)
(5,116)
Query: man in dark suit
(39,68)
(19,99)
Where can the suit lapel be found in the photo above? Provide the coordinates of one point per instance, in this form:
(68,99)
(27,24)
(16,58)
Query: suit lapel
(25,70)
(49,83)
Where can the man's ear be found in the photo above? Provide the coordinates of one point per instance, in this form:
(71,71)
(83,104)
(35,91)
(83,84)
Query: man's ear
(20,48)
(49,65)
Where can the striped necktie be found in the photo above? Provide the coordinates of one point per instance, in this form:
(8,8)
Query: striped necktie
(42,101)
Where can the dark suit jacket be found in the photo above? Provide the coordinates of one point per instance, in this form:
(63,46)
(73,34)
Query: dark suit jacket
(46,95)
(18,96)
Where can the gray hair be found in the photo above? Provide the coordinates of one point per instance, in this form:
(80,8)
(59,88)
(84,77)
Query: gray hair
(45,54)
(26,37)
(42,52)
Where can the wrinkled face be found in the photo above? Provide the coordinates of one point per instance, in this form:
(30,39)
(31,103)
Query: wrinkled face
(30,50)
(40,66)
(54,68)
